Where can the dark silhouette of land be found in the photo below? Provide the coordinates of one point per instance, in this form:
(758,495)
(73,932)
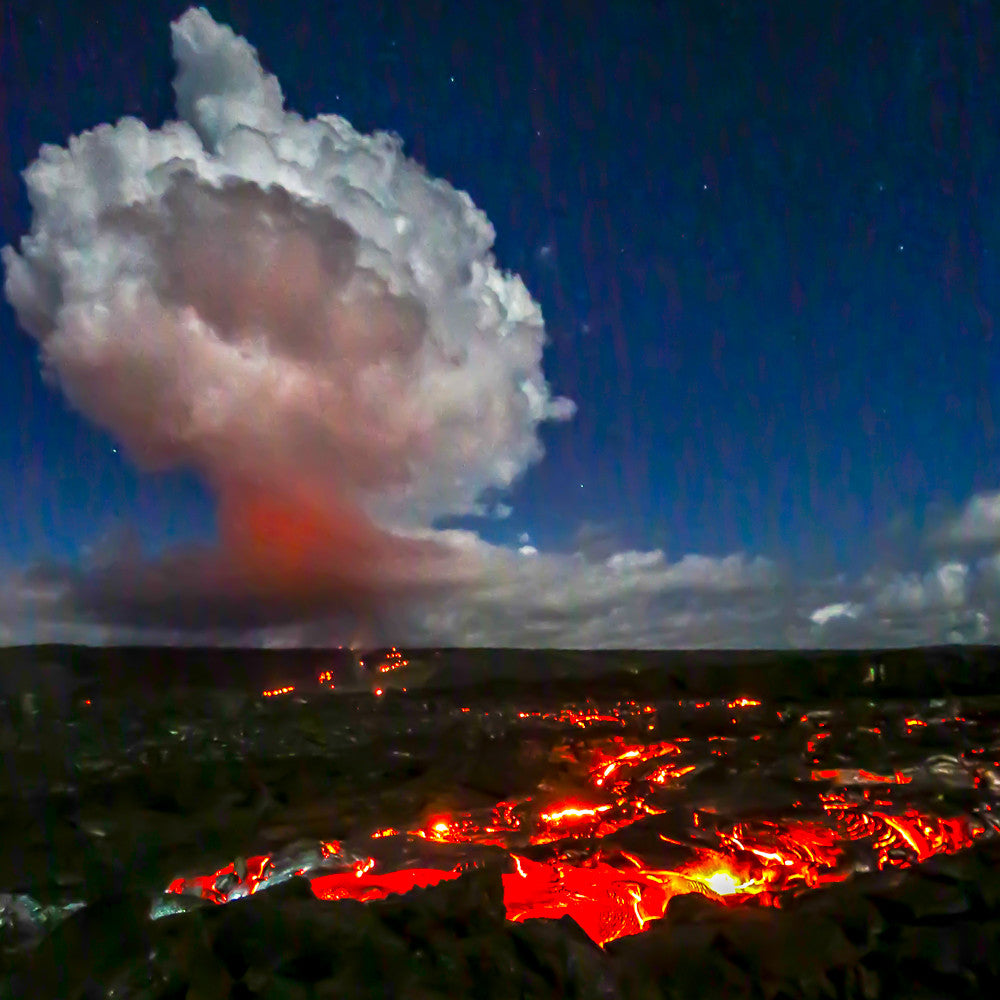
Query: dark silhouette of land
(63,672)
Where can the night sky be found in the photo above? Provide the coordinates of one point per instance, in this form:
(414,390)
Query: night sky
(765,242)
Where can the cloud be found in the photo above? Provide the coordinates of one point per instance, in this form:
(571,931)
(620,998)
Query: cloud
(509,597)
(829,612)
(299,312)
(629,599)
(294,309)
(948,603)
(977,524)
(988,570)
(597,540)
(303,315)
(941,588)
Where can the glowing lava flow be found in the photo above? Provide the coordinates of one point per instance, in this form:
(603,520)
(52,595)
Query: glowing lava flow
(605,901)
(629,755)
(364,884)
(275,692)
(359,881)
(758,861)
(394,660)
(611,893)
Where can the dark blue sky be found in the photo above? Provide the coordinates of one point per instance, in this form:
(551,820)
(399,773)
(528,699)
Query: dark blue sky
(764,238)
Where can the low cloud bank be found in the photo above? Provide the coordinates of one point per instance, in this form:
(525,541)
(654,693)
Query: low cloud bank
(521,598)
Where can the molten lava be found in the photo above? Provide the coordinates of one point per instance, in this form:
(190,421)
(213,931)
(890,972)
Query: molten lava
(274,692)
(364,884)
(394,660)
(576,870)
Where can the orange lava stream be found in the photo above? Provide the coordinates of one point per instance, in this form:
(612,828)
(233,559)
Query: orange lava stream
(366,885)
(613,894)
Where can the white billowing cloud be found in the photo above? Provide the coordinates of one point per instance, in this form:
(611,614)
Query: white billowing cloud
(727,574)
(977,523)
(840,609)
(942,588)
(304,315)
(948,603)
(301,313)
(280,302)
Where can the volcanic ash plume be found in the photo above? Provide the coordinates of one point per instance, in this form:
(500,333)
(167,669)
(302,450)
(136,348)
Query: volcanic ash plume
(293,308)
